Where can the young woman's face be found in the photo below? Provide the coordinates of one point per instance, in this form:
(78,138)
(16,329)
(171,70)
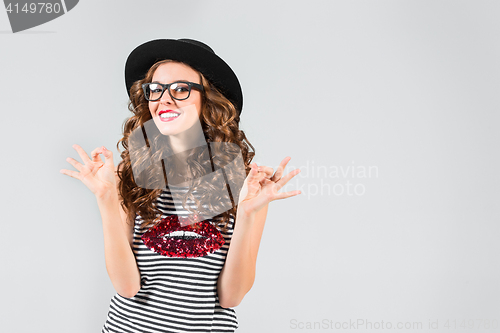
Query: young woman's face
(188,110)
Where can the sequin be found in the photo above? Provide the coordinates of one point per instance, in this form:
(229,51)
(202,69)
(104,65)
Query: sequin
(178,238)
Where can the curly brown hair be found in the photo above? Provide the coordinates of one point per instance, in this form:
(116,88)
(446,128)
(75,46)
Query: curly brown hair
(225,143)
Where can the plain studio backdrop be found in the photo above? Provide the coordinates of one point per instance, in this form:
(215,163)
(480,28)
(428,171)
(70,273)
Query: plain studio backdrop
(390,108)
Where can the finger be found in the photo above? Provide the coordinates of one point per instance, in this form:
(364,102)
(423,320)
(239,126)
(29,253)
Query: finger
(252,175)
(78,166)
(268,171)
(70,173)
(286,178)
(95,155)
(82,153)
(262,175)
(285,195)
(277,176)
(281,169)
(266,181)
(108,156)
(255,176)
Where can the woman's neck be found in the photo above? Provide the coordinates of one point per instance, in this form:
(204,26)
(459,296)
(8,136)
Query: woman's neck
(182,145)
(191,138)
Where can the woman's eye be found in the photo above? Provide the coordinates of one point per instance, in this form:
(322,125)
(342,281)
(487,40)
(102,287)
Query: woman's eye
(181,89)
(155,88)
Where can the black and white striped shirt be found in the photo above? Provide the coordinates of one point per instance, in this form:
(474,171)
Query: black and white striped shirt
(177,294)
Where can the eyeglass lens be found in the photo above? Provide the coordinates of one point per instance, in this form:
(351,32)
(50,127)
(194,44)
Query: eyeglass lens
(178,90)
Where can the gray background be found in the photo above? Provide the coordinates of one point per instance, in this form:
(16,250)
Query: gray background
(409,88)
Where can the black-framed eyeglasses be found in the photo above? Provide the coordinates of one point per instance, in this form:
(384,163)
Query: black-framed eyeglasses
(179,90)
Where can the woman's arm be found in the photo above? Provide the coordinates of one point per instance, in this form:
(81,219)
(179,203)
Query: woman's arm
(238,274)
(102,179)
(118,237)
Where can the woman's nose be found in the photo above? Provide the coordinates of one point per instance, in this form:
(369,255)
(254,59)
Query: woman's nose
(166,98)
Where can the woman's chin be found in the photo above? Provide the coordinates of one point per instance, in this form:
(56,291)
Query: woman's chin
(167,132)
(167,129)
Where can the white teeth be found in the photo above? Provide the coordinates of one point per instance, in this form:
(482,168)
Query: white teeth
(183,234)
(169,115)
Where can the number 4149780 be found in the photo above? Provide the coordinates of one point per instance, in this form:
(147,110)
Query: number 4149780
(39,7)
(471,324)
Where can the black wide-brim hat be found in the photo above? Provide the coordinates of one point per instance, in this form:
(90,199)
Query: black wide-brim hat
(191,52)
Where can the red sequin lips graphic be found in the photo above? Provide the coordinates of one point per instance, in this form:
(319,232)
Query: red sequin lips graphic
(170,239)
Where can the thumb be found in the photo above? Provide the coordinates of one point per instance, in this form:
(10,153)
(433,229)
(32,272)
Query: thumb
(252,175)
(108,156)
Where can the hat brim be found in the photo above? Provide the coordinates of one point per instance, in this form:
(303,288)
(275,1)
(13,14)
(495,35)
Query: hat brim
(216,70)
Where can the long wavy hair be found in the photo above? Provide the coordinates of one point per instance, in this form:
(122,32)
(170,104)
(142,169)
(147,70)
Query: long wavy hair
(150,165)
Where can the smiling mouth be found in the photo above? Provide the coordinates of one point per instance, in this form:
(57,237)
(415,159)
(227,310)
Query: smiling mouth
(169,115)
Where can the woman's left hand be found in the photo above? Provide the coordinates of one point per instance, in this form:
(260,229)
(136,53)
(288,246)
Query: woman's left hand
(261,187)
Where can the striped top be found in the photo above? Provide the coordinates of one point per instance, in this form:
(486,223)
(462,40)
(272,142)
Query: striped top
(177,294)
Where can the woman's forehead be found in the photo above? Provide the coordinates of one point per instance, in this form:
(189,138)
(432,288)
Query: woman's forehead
(174,71)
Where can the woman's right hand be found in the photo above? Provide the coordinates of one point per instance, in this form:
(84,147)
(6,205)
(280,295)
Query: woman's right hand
(99,177)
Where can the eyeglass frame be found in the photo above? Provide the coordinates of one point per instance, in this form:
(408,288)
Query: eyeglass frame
(167,87)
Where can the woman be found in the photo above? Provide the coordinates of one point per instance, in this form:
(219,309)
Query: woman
(183,213)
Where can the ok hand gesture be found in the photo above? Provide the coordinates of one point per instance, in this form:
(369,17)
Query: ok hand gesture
(261,187)
(99,177)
